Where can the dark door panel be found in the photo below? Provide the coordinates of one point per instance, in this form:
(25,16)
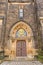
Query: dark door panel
(21,48)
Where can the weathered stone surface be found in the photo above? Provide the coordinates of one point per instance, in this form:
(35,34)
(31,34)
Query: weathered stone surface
(22,63)
(2,7)
(10,11)
(40,7)
(20,0)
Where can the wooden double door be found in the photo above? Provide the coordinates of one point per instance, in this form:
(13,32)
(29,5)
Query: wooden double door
(21,48)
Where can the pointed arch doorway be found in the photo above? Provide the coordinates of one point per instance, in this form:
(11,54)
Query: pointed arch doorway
(22,41)
(21,48)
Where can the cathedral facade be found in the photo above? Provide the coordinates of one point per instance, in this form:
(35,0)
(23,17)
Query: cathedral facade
(21,28)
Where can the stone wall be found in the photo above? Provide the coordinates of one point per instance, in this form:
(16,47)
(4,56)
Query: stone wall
(2,7)
(40,15)
(11,16)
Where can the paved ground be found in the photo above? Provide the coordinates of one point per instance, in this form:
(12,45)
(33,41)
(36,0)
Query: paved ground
(21,63)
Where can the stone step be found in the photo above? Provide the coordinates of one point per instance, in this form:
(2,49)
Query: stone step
(21,63)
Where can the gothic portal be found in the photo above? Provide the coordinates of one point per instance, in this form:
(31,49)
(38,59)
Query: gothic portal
(21,41)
